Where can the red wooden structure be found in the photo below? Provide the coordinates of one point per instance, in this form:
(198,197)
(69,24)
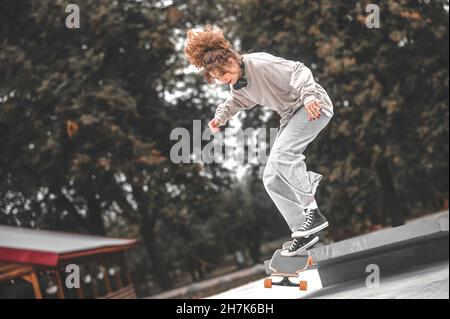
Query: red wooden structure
(47,264)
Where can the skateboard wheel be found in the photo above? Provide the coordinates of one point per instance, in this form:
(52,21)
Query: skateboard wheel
(268,283)
(303,285)
(310,261)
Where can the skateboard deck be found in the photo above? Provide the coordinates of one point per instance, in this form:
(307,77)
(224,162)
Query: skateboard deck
(287,267)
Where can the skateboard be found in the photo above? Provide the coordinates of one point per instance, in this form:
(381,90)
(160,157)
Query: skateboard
(287,267)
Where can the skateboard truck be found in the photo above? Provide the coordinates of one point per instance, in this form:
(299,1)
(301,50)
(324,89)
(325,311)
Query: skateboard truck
(302,285)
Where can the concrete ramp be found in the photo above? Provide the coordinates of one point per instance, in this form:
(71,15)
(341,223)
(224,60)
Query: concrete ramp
(417,243)
(256,290)
(430,281)
(412,261)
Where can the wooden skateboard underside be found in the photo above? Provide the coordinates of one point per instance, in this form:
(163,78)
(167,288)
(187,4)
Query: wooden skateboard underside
(287,266)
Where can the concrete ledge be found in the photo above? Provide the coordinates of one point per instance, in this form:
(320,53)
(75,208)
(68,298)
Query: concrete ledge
(419,242)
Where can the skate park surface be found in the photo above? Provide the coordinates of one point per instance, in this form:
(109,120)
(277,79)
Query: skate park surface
(428,282)
(411,260)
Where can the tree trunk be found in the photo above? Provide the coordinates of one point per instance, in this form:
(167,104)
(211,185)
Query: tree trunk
(390,194)
(159,267)
(95,220)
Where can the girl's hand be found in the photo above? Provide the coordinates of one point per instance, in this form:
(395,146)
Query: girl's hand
(313,109)
(214,125)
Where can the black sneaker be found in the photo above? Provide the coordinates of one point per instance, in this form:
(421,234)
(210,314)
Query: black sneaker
(313,223)
(299,245)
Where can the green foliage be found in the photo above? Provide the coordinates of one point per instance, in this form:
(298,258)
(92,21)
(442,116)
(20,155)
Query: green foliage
(85,126)
(389,87)
(84,131)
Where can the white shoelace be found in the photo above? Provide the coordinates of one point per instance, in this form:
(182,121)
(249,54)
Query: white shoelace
(294,244)
(308,220)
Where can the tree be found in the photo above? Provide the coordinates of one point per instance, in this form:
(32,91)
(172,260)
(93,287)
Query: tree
(389,87)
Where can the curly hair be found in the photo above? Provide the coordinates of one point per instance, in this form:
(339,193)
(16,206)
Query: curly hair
(209,49)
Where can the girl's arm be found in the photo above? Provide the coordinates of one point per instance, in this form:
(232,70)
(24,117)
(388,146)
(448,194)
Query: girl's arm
(231,106)
(303,84)
(299,80)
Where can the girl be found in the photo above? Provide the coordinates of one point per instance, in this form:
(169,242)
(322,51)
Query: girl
(287,87)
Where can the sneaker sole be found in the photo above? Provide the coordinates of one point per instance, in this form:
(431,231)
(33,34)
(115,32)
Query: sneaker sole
(285,253)
(300,234)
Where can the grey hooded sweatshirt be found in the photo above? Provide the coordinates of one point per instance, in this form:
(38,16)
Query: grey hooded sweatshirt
(281,85)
